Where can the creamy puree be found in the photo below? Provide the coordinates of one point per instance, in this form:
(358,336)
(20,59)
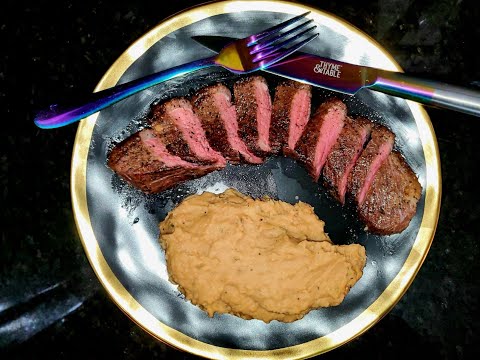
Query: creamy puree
(256,258)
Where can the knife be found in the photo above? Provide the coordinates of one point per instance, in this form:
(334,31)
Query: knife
(349,78)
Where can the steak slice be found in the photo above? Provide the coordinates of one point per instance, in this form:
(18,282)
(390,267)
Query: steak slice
(391,201)
(290,114)
(320,136)
(377,150)
(344,155)
(144,162)
(212,104)
(182,133)
(254,111)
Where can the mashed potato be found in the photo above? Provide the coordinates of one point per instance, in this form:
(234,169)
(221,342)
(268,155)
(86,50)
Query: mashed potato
(256,258)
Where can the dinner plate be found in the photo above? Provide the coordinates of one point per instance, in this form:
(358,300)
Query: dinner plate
(118,224)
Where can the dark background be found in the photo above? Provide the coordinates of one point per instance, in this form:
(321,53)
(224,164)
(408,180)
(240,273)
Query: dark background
(51,303)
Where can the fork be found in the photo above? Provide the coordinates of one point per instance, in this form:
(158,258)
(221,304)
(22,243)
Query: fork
(246,55)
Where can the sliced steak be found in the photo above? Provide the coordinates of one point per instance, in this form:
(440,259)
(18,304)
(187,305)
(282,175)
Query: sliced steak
(290,114)
(344,155)
(144,162)
(320,136)
(392,199)
(182,133)
(377,150)
(218,116)
(254,111)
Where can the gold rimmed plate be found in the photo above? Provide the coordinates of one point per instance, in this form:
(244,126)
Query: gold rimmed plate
(118,224)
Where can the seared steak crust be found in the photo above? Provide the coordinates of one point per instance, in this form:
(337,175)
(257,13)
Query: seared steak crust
(320,135)
(176,116)
(204,106)
(169,132)
(392,199)
(370,160)
(254,109)
(343,156)
(135,162)
(287,104)
(218,116)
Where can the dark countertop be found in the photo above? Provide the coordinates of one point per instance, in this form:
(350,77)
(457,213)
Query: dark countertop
(51,303)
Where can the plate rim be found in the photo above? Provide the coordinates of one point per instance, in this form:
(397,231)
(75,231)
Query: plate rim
(134,310)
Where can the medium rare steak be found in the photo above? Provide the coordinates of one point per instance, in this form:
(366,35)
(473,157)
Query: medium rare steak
(290,114)
(254,111)
(377,150)
(344,155)
(218,116)
(144,162)
(188,138)
(320,135)
(182,133)
(392,199)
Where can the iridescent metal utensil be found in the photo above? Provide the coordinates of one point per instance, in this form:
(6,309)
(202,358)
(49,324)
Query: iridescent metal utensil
(350,78)
(245,55)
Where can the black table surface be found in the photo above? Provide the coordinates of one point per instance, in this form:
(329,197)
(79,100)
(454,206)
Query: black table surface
(51,303)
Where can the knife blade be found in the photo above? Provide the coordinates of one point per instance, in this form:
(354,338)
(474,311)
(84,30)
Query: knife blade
(349,78)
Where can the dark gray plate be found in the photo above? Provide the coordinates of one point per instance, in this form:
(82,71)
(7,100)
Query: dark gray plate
(119,224)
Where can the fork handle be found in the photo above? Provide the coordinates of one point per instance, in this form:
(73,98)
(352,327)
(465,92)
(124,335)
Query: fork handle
(57,115)
(429,92)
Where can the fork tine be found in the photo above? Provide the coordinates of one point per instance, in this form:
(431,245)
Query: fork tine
(279,55)
(272,49)
(281,40)
(265,44)
(274,29)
